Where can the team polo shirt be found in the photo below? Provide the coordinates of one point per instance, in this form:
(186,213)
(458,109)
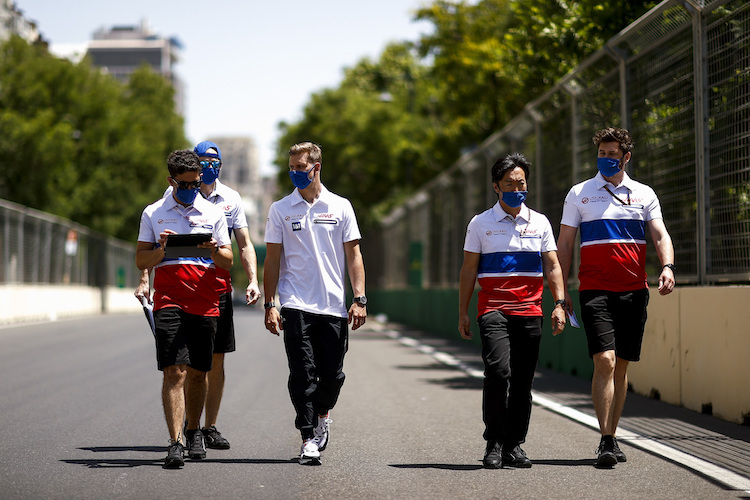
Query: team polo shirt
(189,283)
(510,271)
(313,261)
(228,200)
(613,232)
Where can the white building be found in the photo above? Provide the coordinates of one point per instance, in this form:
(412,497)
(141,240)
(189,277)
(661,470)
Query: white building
(13,22)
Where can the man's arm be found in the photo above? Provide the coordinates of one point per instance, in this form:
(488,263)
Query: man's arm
(467,280)
(143,290)
(565,243)
(356,268)
(665,252)
(249,264)
(271,267)
(556,285)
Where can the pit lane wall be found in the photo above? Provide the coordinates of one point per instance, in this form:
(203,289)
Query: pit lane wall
(26,303)
(695,348)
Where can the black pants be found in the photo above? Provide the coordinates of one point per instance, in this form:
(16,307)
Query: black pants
(315,347)
(510,349)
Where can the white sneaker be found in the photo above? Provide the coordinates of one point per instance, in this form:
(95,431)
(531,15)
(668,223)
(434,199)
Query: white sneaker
(323,431)
(309,454)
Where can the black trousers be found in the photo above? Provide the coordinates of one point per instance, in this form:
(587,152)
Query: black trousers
(510,349)
(315,347)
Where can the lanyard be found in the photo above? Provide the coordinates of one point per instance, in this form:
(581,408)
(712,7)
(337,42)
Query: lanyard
(618,198)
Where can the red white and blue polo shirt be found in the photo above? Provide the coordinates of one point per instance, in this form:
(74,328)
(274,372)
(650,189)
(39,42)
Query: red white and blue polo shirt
(613,231)
(228,200)
(189,283)
(510,271)
(313,262)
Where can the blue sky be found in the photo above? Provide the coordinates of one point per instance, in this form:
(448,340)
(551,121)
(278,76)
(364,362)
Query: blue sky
(246,65)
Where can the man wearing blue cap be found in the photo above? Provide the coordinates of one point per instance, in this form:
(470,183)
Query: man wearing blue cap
(230,202)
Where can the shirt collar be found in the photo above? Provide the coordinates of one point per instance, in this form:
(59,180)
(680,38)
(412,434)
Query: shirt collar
(297,197)
(627,182)
(500,214)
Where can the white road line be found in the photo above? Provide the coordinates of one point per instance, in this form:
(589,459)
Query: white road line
(727,478)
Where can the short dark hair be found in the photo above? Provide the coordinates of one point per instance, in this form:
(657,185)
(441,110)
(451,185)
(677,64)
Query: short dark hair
(613,134)
(181,161)
(509,162)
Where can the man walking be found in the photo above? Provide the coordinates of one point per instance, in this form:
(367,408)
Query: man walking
(311,235)
(613,211)
(509,248)
(186,297)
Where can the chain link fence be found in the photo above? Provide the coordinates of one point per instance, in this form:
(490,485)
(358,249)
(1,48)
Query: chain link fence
(679,80)
(36,247)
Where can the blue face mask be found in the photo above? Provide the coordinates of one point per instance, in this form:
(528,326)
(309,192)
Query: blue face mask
(608,166)
(300,179)
(210,175)
(514,198)
(186,196)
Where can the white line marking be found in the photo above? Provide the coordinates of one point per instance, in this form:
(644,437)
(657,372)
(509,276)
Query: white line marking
(721,475)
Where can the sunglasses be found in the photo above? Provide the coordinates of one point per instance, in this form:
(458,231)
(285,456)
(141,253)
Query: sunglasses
(187,185)
(211,163)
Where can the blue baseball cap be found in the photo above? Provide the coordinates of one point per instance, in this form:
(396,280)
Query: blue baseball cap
(203,149)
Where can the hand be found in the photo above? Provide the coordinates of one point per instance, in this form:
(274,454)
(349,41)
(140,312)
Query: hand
(273,321)
(163,237)
(252,294)
(143,291)
(464,324)
(666,281)
(558,320)
(357,315)
(211,244)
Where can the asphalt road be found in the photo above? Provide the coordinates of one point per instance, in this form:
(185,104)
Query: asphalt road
(82,419)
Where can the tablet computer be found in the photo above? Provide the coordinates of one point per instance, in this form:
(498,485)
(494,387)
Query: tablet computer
(186,245)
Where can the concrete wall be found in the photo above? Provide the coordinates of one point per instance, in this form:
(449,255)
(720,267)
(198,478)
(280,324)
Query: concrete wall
(23,303)
(696,347)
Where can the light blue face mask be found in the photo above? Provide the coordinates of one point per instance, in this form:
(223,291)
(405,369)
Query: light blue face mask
(300,179)
(514,198)
(608,166)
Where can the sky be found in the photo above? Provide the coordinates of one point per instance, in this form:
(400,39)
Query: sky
(246,65)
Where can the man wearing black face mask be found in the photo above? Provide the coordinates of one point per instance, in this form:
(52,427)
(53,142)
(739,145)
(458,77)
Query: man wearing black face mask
(613,212)
(509,248)
(311,235)
(186,297)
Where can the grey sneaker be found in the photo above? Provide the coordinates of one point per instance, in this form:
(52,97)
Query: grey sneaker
(606,453)
(323,431)
(195,444)
(619,455)
(214,439)
(175,454)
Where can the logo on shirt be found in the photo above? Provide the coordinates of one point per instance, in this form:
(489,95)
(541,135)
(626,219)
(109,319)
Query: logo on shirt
(595,199)
(496,232)
(296,226)
(294,217)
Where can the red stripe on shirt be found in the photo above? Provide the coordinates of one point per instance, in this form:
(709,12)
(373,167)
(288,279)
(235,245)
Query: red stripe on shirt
(513,295)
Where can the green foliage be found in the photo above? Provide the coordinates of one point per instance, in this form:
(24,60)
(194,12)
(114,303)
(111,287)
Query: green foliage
(395,123)
(79,144)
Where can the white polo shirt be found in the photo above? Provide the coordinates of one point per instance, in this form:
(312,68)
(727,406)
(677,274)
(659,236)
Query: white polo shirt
(228,200)
(313,261)
(511,274)
(189,283)
(613,231)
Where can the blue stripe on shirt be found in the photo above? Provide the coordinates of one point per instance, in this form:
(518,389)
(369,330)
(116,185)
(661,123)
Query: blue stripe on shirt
(608,229)
(510,262)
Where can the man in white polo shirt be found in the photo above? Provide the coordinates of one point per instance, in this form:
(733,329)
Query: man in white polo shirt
(509,249)
(311,235)
(186,297)
(613,212)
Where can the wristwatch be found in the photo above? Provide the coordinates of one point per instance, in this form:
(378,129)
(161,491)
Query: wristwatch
(269,305)
(560,302)
(361,300)
(671,266)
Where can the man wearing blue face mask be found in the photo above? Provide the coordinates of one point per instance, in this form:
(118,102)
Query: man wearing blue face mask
(228,200)
(186,297)
(312,238)
(613,212)
(508,249)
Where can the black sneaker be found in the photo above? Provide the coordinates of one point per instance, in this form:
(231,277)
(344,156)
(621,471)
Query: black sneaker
(175,453)
(606,452)
(516,458)
(195,444)
(492,455)
(619,455)
(214,439)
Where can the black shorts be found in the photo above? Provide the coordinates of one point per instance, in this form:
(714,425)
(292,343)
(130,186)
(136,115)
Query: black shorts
(224,340)
(184,339)
(614,321)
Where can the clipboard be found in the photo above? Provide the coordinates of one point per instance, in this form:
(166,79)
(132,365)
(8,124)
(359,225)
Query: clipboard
(148,310)
(186,245)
